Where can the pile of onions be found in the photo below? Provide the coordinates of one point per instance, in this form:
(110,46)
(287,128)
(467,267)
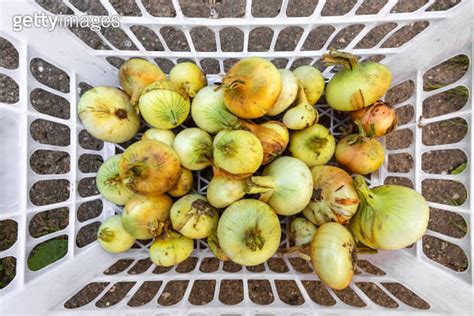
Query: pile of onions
(314,145)
(223,191)
(113,237)
(108,115)
(302,115)
(334,198)
(312,81)
(251,87)
(390,217)
(210,113)
(288,93)
(377,120)
(162,135)
(170,249)
(286,185)
(358,85)
(194,148)
(149,167)
(189,76)
(249,232)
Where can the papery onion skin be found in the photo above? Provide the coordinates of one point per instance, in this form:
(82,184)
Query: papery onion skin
(362,156)
(273,135)
(334,197)
(194,217)
(108,115)
(170,249)
(358,85)
(110,184)
(332,250)
(164,104)
(390,217)
(189,76)
(149,167)
(162,135)
(210,113)
(223,191)
(215,247)
(287,185)
(251,87)
(183,185)
(249,232)
(379,119)
(113,237)
(194,148)
(144,217)
(237,152)
(302,115)
(137,73)
(312,81)
(313,145)
(288,93)
(301,231)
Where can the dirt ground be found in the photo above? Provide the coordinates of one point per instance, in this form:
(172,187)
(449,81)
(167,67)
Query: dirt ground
(231,291)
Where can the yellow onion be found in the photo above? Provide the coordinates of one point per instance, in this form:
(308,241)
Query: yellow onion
(149,167)
(164,104)
(110,184)
(379,119)
(390,217)
(223,191)
(237,152)
(312,81)
(358,85)
(183,185)
(189,76)
(314,145)
(288,93)
(194,217)
(210,113)
(332,255)
(145,217)
(359,153)
(194,148)
(287,185)
(302,115)
(170,249)
(215,248)
(137,73)
(301,231)
(249,232)
(251,87)
(113,237)
(162,135)
(272,134)
(334,197)
(107,114)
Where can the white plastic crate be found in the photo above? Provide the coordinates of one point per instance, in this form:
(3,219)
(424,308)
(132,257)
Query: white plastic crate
(449,33)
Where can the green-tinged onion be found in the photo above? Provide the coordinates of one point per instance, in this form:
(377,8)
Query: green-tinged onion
(312,81)
(237,152)
(301,231)
(210,113)
(145,217)
(302,115)
(334,197)
(110,184)
(379,119)
(216,249)
(107,114)
(162,135)
(183,185)
(194,148)
(249,232)
(286,184)
(390,217)
(113,237)
(164,104)
(193,216)
(288,93)
(332,255)
(356,86)
(314,145)
(223,191)
(170,249)
(189,76)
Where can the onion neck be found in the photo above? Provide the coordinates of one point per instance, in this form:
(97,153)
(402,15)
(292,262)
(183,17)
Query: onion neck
(253,239)
(259,184)
(335,57)
(203,208)
(121,114)
(156,227)
(106,235)
(362,189)
(316,143)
